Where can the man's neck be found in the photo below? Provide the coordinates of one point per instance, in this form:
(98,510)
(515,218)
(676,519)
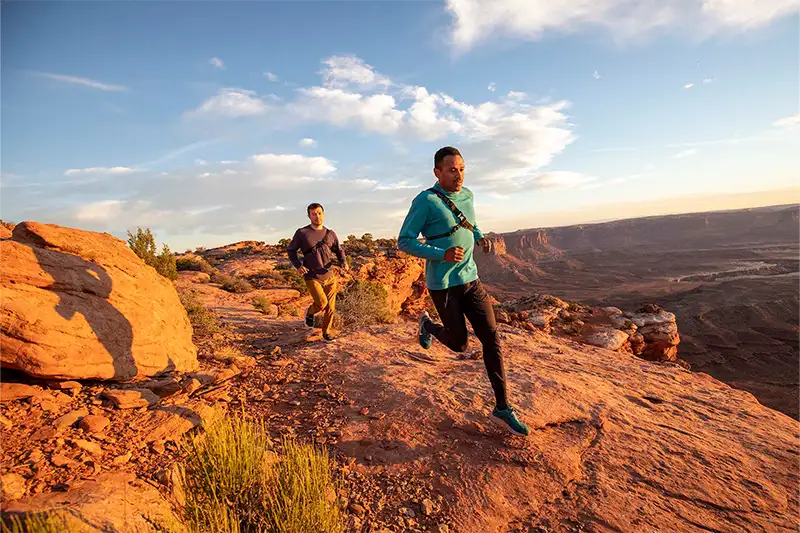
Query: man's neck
(314,226)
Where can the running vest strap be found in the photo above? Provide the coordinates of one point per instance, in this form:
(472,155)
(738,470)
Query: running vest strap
(322,242)
(462,219)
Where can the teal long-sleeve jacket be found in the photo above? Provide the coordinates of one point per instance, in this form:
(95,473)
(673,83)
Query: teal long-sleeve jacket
(430,216)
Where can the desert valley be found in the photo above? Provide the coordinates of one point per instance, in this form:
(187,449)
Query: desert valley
(655,360)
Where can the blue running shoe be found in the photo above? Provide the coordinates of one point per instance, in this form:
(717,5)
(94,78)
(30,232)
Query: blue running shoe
(425,338)
(509,418)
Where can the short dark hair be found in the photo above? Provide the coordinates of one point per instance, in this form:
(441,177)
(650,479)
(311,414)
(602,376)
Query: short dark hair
(441,153)
(314,206)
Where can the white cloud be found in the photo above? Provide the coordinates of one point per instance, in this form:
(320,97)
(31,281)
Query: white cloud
(231,103)
(706,81)
(83,81)
(492,87)
(596,75)
(516,95)
(102,211)
(478,20)
(217,63)
(375,113)
(685,153)
(423,116)
(308,142)
(788,122)
(271,77)
(341,72)
(404,184)
(263,210)
(200,162)
(98,170)
(228,162)
(276,166)
(688,85)
(561,179)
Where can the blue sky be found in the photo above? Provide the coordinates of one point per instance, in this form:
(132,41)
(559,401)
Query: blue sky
(212,122)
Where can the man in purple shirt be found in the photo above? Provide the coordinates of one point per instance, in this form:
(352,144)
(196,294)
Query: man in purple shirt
(319,246)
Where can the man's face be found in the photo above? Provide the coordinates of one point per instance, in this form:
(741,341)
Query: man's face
(451,173)
(316,216)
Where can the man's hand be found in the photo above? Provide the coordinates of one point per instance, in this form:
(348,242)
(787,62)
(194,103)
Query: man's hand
(484,243)
(454,254)
(302,271)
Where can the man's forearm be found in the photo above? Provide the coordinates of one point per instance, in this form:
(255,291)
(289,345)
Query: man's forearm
(294,259)
(413,247)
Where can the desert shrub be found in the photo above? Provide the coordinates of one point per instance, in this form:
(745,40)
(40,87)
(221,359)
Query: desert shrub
(143,245)
(295,280)
(283,243)
(288,310)
(234,482)
(45,522)
(237,285)
(262,303)
(204,322)
(226,353)
(194,263)
(231,283)
(363,303)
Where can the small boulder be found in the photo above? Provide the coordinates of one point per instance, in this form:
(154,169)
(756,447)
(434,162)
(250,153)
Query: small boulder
(17,391)
(94,423)
(131,398)
(70,418)
(12,487)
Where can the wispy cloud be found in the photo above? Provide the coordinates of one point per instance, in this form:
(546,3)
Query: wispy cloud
(216,63)
(685,153)
(479,20)
(788,122)
(98,170)
(94,84)
(492,87)
(688,85)
(271,77)
(307,142)
(706,81)
(596,75)
(230,102)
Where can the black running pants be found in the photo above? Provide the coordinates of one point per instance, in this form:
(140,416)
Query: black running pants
(471,301)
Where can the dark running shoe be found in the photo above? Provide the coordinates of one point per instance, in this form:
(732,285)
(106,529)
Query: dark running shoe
(310,321)
(508,418)
(425,339)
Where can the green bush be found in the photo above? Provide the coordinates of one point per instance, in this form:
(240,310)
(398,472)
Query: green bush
(204,322)
(237,285)
(143,245)
(262,303)
(194,263)
(231,283)
(295,280)
(364,303)
(46,522)
(234,482)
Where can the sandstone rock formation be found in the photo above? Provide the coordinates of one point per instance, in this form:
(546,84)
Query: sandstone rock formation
(650,332)
(400,276)
(81,305)
(117,502)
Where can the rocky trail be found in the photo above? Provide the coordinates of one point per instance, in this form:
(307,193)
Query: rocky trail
(617,443)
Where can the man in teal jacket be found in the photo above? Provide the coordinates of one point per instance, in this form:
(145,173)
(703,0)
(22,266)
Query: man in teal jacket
(445,216)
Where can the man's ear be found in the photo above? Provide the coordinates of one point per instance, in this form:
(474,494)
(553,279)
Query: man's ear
(436,172)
